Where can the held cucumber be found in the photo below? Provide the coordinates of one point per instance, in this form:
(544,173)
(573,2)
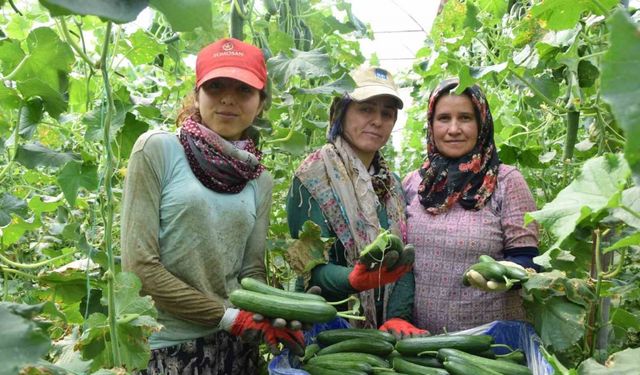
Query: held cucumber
(282,307)
(254,285)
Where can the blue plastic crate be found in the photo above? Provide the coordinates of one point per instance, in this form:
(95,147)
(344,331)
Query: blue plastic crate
(516,334)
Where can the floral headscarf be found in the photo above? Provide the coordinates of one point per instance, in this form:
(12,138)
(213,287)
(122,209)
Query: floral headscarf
(470,179)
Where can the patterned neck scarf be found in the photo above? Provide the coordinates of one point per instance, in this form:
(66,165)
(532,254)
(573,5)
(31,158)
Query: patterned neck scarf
(470,179)
(220,165)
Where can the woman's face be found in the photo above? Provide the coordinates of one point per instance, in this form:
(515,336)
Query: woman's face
(455,129)
(228,106)
(368,124)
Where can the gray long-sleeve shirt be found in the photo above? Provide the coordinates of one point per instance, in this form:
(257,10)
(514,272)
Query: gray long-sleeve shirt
(189,245)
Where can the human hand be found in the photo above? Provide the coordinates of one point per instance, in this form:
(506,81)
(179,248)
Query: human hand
(401,329)
(364,278)
(241,323)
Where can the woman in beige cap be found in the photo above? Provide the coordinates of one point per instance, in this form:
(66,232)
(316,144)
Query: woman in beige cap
(195,214)
(347,189)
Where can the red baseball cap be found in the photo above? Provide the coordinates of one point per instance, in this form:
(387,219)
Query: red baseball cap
(231,58)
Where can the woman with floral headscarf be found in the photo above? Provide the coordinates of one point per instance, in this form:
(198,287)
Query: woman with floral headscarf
(347,189)
(463,203)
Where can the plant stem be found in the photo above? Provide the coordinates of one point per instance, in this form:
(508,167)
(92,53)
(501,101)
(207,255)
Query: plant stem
(107,207)
(73,44)
(16,133)
(31,265)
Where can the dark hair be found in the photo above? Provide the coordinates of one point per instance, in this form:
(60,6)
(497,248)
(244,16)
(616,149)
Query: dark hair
(337,112)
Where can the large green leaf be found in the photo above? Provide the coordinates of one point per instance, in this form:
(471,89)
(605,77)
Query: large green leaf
(144,48)
(94,121)
(600,179)
(22,342)
(309,250)
(129,133)
(559,322)
(118,11)
(621,84)
(185,15)
(32,155)
(562,14)
(343,84)
(9,98)
(8,205)
(16,229)
(54,101)
(10,55)
(75,175)
(135,321)
(311,64)
(30,116)
(623,362)
(630,207)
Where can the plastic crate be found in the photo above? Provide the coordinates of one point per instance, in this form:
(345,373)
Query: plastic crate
(516,334)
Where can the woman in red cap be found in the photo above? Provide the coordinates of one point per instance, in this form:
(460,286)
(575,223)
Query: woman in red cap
(347,189)
(194,220)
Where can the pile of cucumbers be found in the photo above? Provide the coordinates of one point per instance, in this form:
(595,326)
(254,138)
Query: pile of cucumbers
(268,301)
(355,351)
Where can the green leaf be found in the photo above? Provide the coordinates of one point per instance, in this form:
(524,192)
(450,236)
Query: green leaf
(587,73)
(144,48)
(10,204)
(623,362)
(342,85)
(295,144)
(118,11)
(599,180)
(311,64)
(185,15)
(33,155)
(75,175)
(129,133)
(9,98)
(30,116)
(632,240)
(95,118)
(135,321)
(630,201)
(621,84)
(23,342)
(561,14)
(559,322)
(16,229)
(625,319)
(39,204)
(309,250)
(54,102)
(10,55)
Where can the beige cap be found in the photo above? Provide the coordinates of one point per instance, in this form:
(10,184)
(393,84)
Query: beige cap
(372,82)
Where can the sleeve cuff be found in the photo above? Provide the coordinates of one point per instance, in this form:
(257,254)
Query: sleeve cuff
(230,315)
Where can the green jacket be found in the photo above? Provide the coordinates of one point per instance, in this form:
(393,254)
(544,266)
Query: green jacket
(333,276)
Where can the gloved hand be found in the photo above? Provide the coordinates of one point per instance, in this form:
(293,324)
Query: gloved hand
(402,329)
(241,323)
(364,278)
(478,281)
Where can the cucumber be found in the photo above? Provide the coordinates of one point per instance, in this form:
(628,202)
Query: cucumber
(320,370)
(516,273)
(371,359)
(459,366)
(310,351)
(360,345)
(485,258)
(346,365)
(407,367)
(260,287)
(503,367)
(282,307)
(425,360)
(468,343)
(336,335)
(490,270)
(516,356)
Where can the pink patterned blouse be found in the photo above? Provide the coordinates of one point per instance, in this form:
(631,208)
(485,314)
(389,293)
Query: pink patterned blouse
(448,243)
